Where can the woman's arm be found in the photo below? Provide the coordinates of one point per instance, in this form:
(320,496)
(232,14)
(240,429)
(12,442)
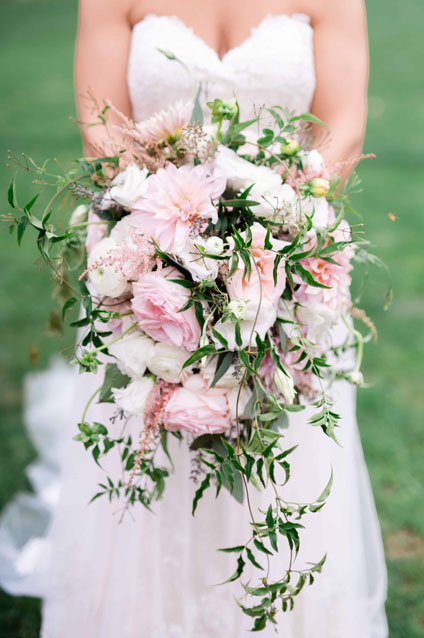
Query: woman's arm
(101,59)
(341,54)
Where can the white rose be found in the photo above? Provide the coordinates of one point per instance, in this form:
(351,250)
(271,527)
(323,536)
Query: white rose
(240,174)
(79,215)
(167,361)
(198,266)
(106,280)
(285,385)
(264,321)
(312,161)
(318,208)
(214,245)
(132,399)
(127,187)
(228,380)
(244,398)
(132,353)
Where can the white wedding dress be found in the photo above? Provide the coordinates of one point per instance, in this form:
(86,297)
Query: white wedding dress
(156,576)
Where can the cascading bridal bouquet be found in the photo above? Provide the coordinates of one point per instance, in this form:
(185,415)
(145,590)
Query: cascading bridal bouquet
(212,263)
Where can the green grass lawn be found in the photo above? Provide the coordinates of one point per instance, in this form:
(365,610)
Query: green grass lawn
(36,48)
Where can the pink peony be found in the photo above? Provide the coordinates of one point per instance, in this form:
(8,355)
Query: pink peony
(167,125)
(177,201)
(95,231)
(240,287)
(156,305)
(197,408)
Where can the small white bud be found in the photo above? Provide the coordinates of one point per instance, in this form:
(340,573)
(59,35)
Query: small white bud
(285,385)
(356,377)
(238,308)
(214,245)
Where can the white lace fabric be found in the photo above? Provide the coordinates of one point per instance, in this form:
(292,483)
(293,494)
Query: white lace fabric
(156,576)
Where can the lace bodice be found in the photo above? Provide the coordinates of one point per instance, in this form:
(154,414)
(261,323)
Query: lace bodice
(274,65)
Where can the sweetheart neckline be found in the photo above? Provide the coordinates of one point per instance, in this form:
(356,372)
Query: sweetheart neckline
(304,19)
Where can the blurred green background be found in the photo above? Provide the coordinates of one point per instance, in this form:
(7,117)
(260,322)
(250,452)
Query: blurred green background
(36,44)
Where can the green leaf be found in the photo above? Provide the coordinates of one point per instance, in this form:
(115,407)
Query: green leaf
(224,361)
(308,117)
(182,282)
(227,468)
(11,194)
(260,623)
(324,494)
(21,229)
(238,572)
(306,276)
(240,203)
(199,354)
(113,379)
(197,113)
(276,117)
(251,557)
(67,305)
(318,567)
(220,338)
(259,545)
(167,53)
(228,550)
(205,484)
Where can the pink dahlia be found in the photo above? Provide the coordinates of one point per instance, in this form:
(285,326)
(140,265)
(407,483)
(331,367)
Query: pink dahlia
(177,201)
(166,125)
(157,303)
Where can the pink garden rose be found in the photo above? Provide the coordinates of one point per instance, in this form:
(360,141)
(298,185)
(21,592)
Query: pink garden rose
(156,304)
(177,200)
(197,408)
(249,288)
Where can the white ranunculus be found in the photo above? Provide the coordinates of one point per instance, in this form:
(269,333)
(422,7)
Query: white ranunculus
(132,399)
(318,320)
(264,321)
(214,245)
(127,187)
(132,353)
(285,385)
(245,395)
(199,267)
(312,161)
(106,280)
(229,378)
(167,361)
(240,174)
(79,215)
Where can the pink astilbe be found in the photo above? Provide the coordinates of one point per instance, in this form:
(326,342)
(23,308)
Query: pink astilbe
(130,258)
(166,125)
(154,411)
(178,201)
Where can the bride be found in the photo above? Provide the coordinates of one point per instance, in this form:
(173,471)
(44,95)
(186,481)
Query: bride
(155,576)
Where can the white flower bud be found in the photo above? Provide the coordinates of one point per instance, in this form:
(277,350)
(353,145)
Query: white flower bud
(214,245)
(79,215)
(319,187)
(356,377)
(285,385)
(238,308)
